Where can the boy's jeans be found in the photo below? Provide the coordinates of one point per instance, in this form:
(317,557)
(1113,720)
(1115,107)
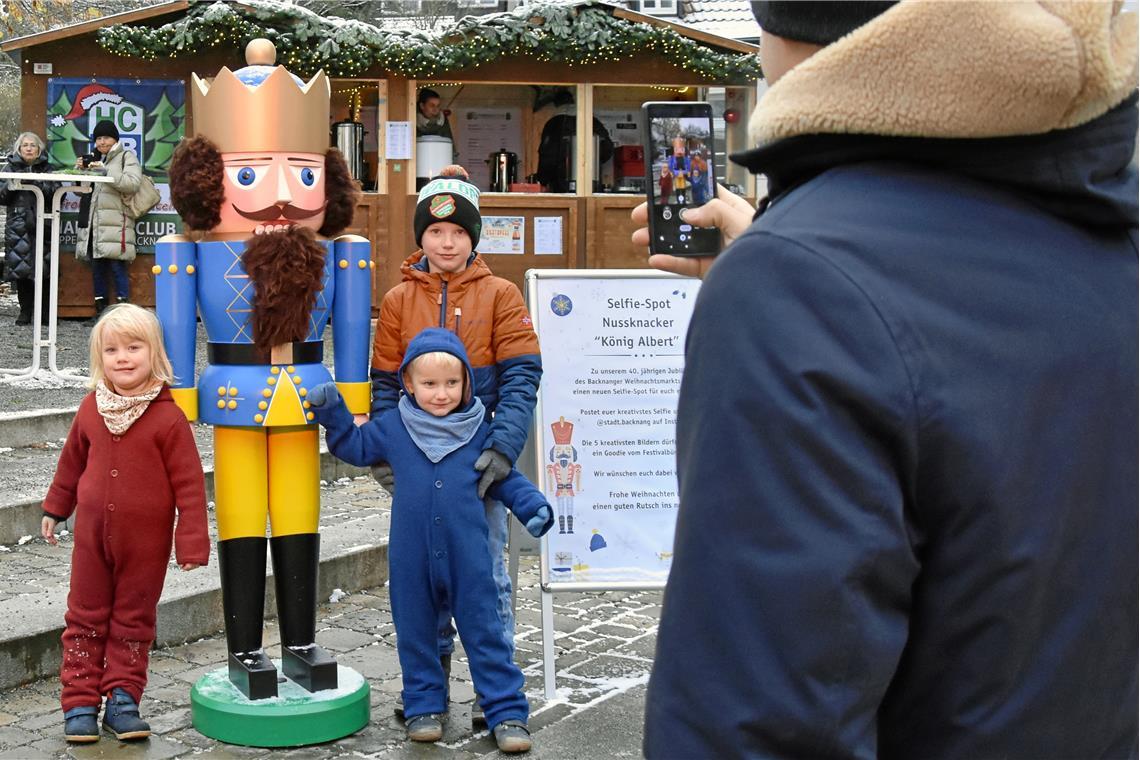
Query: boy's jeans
(497,534)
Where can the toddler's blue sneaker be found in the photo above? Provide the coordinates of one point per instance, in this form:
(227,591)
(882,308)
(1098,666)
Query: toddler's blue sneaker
(122,719)
(81,725)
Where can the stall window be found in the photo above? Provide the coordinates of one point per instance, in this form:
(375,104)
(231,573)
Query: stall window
(356,125)
(509,137)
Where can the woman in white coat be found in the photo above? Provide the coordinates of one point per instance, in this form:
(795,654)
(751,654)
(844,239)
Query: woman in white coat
(106,231)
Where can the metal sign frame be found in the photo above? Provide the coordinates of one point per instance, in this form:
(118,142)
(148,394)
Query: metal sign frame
(533,276)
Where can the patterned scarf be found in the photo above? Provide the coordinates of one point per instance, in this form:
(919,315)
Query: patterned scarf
(120,412)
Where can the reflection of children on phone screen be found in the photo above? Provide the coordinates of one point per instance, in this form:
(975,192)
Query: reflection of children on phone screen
(681,153)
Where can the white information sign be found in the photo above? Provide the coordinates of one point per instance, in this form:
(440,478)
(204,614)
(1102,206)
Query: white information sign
(612,355)
(398,140)
(548,236)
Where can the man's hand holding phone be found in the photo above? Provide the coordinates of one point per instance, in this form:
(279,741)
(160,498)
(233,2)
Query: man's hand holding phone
(728,212)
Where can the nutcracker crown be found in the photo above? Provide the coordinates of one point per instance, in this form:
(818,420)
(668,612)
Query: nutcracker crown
(262,107)
(563,432)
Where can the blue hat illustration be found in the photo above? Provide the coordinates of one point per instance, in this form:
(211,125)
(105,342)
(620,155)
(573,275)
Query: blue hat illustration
(597,542)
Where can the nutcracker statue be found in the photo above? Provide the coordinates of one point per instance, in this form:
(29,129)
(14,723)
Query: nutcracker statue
(262,194)
(564,472)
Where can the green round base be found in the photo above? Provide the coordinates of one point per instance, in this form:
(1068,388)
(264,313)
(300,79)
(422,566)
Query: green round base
(293,718)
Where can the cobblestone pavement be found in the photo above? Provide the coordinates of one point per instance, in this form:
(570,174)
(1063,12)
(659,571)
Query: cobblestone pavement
(604,645)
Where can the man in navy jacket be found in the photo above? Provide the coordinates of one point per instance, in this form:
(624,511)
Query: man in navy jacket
(907,434)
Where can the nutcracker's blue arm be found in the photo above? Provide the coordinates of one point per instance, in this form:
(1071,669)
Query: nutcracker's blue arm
(352,320)
(176,297)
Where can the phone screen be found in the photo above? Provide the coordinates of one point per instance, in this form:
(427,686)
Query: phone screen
(679,174)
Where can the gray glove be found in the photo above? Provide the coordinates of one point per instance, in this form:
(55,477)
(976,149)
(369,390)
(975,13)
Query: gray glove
(323,396)
(382,472)
(542,521)
(494,466)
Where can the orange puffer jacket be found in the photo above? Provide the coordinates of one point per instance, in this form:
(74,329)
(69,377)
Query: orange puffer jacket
(489,316)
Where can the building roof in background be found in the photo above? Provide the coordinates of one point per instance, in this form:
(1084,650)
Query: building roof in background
(726,18)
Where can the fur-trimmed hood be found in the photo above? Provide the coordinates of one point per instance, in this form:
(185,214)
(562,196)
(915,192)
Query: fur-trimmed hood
(1038,97)
(971,69)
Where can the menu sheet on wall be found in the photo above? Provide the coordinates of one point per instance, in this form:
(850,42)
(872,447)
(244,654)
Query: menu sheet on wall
(612,357)
(480,132)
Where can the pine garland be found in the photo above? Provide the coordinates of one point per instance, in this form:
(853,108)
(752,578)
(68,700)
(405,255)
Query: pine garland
(574,35)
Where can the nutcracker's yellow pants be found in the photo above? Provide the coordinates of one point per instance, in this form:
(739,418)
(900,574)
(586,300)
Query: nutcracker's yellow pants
(261,472)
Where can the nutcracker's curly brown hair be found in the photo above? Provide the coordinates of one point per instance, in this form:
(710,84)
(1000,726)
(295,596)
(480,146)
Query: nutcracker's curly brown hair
(197,193)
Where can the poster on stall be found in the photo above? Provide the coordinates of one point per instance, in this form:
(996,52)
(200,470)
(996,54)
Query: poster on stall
(612,357)
(482,131)
(150,116)
(502,234)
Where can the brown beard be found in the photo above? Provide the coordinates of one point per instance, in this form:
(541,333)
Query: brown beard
(286,269)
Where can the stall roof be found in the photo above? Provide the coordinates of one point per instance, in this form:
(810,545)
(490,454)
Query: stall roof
(171,7)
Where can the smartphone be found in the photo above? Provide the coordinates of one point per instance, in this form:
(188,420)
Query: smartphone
(679,174)
(86,159)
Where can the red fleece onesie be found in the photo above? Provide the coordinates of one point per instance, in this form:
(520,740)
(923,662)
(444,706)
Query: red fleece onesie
(124,490)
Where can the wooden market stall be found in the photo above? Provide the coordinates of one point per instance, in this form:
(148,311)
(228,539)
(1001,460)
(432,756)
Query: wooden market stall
(501,78)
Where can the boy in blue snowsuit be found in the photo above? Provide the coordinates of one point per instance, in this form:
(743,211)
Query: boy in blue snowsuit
(438,551)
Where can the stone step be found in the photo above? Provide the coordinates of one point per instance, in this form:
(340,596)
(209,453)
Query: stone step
(34,578)
(21,517)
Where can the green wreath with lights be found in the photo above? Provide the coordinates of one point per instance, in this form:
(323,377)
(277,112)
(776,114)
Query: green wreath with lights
(576,35)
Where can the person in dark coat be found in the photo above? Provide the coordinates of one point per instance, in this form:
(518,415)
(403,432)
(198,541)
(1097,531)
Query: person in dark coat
(907,428)
(555,147)
(27,156)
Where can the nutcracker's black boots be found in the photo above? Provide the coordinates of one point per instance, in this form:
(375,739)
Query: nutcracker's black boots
(296,561)
(241,562)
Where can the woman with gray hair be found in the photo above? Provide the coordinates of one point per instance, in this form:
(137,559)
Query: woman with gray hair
(27,156)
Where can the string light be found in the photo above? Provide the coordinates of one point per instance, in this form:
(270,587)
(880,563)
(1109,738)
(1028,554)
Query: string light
(577,35)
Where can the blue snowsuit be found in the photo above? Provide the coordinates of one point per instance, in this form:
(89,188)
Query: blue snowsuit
(438,552)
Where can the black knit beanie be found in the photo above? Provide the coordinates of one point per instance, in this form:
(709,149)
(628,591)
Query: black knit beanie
(105,128)
(820,22)
(449,199)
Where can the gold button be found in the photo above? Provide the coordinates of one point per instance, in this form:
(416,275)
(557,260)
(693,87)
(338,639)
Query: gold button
(310,416)
(233,391)
(371,264)
(296,379)
(306,404)
(262,405)
(271,380)
(362,264)
(231,405)
(221,404)
(304,392)
(290,369)
(266,392)
(156,269)
(189,269)
(343,263)
(173,269)
(275,370)
(221,390)
(258,418)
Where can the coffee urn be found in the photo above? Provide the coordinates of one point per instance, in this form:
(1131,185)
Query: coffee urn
(348,136)
(504,170)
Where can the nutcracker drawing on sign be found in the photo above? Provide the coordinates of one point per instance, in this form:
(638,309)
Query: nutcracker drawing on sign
(564,473)
(263,194)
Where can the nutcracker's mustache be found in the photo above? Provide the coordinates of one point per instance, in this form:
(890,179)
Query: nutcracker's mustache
(278,211)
